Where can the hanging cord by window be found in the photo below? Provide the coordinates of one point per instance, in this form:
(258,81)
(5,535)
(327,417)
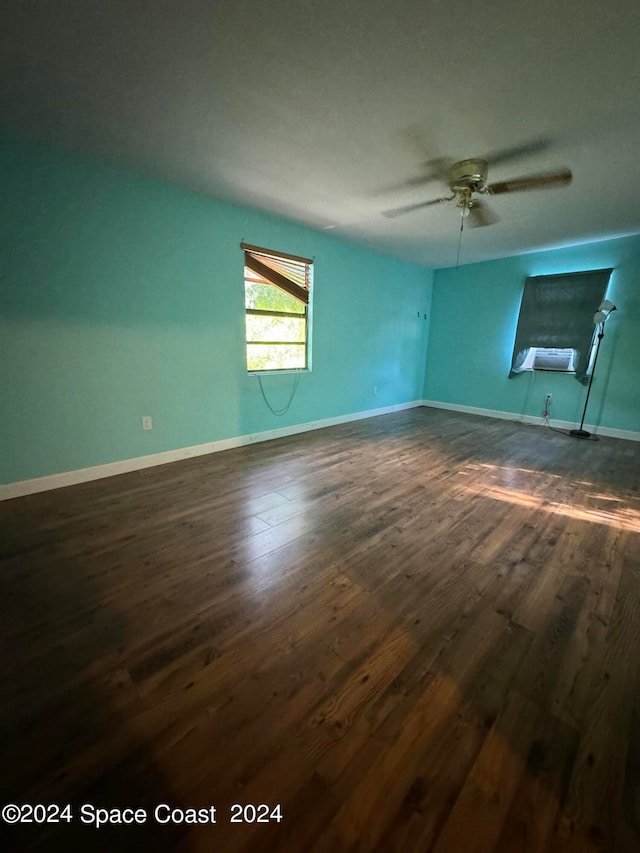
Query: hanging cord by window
(285,409)
(527,396)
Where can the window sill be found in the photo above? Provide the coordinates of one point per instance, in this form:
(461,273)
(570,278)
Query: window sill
(549,370)
(284,372)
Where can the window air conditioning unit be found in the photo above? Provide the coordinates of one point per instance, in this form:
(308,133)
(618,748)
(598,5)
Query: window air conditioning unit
(551,358)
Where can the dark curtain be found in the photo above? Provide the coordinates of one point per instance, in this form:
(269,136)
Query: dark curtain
(557,311)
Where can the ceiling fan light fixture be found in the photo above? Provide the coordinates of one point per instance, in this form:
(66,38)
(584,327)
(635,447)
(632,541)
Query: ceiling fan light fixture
(468,175)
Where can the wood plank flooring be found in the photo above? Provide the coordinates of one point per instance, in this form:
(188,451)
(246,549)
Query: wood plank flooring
(415,632)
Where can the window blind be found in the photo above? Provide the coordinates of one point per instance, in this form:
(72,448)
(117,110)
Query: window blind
(288,272)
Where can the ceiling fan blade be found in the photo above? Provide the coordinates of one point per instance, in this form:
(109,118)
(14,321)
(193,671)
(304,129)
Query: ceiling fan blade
(544,180)
(440,167)
(407,208)
(410,183)
(435,170)
(481,215)
(517,151)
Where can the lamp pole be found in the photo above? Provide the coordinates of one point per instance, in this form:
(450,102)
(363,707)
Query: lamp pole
(600,318)
(582,433)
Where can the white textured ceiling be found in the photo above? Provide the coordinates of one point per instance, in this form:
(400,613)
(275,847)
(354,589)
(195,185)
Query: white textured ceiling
(314,110)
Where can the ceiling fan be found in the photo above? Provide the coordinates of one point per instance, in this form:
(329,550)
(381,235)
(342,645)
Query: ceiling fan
(467,180)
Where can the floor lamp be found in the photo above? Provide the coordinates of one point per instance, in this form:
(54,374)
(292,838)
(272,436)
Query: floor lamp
(599,318)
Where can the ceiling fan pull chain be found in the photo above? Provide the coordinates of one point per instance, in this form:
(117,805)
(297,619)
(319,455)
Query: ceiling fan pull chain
(460,237)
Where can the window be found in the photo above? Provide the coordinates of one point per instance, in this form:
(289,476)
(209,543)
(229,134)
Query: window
(555,326)
(277,299)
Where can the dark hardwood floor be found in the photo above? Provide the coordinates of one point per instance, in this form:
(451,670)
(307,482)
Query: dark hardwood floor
(415,632)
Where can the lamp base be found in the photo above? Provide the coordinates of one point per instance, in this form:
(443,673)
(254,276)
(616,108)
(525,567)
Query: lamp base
(580,433)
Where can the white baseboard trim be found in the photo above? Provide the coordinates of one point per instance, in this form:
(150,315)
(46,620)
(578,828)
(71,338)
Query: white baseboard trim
(124,466)
(627,434)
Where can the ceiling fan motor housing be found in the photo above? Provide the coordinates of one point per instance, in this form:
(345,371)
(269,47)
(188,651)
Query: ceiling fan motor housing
(468,175)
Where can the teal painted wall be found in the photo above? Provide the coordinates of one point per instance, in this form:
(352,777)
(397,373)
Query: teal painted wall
(474,317)
(123,296)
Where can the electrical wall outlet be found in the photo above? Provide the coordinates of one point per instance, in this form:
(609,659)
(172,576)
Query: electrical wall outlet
(374,390)
(147,422)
